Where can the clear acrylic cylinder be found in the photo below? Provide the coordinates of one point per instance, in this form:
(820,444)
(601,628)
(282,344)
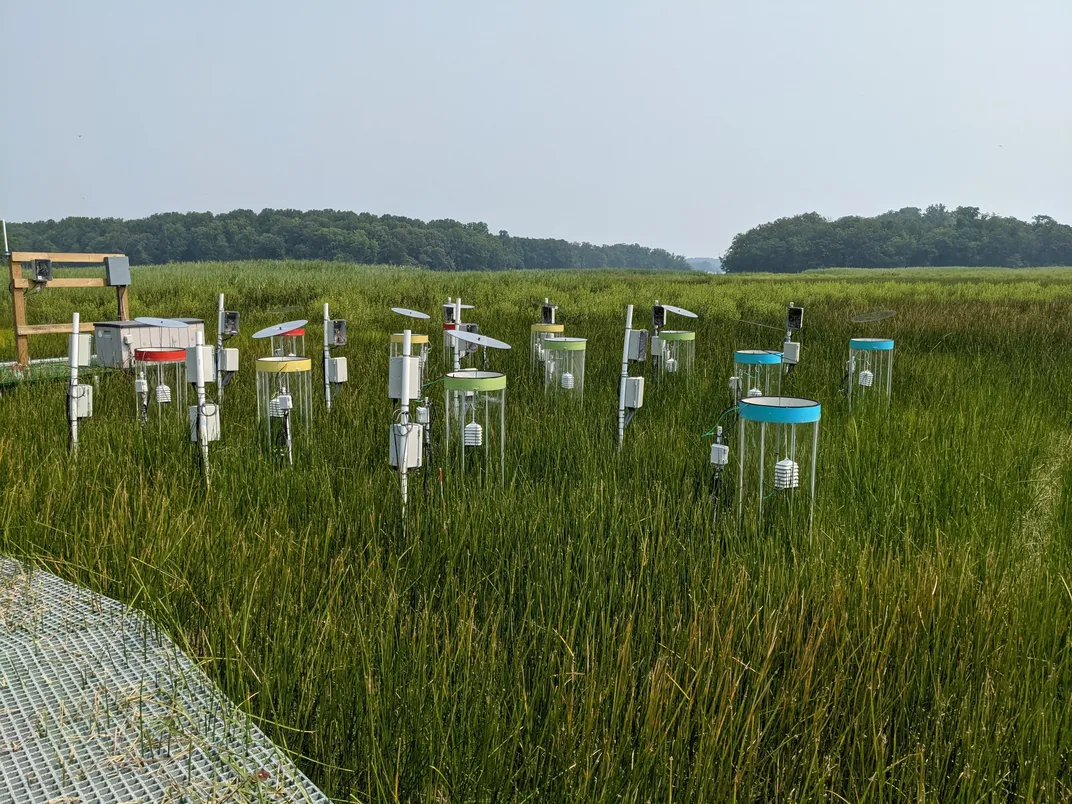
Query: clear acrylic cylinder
(475,407)
(284,402)
(778,443)
(160,383)
(289,344)
(756,372)
(678,352)
(538,334)
(419,347)
(870,371)
(564,366)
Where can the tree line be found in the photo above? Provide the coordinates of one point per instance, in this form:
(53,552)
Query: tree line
(442,245)
(906,237)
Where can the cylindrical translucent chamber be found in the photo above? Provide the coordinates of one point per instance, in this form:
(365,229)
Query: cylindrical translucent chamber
(538,334)
(678,352)
(869,378)
(778,442)
(563,366)
(160,383)
(289,344)
(475,433)
(756,372)
(284,401)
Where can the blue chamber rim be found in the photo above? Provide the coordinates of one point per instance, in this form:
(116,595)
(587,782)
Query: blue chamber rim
(780,410)
(871,344)
(755,357)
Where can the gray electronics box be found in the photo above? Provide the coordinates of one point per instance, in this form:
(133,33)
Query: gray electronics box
(337,373)
(638,344)
(117,340)
(83,401)
(83,348)
(634,393)
(117,271)
(407,438)
(395,378)
(212,422)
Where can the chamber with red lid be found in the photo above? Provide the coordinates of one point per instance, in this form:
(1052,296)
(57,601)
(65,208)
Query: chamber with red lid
(160,382)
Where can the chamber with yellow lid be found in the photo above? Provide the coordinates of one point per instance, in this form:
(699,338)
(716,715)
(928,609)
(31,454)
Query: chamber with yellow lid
(563,366)
(284,402)
(475,402)
(419,347)
(538,335)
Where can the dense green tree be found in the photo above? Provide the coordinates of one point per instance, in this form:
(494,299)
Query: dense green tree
(442,245)
(908,236)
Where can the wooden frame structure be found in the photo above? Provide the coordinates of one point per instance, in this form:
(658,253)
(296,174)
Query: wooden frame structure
(20,284)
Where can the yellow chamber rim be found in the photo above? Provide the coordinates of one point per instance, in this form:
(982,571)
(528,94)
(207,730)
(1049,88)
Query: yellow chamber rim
(414,337)
(283,365)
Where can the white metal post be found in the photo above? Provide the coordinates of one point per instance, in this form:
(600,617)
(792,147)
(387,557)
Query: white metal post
(327,355)
(199,387)
(219,350)
(457,327)
(72,391)
(625,374)
(6,249)
(402,445)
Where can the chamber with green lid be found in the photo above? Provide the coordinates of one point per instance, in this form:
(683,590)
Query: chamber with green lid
(563,365)
(674,352)
(869,372)
(475,404)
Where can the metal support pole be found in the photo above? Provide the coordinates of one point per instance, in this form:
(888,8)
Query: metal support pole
(72,391)
(457,328)
(219,350)
(625,374)
(327,356)
(199,387)
(402,428)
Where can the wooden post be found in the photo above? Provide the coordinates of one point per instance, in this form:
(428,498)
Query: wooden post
(19,285)
(18,310)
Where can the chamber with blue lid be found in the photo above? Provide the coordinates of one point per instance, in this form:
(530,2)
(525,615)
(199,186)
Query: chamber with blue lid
(756,372)
(869,372)
(778,438)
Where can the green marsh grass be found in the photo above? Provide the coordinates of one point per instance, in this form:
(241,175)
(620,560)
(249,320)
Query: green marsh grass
(585,633)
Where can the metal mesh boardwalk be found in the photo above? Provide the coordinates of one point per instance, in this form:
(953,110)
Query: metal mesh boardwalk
(96,705)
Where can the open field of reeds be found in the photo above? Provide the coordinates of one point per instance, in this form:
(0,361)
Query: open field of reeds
(587,632)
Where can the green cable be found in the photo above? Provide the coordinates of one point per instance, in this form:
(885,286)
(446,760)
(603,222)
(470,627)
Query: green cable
(720,418)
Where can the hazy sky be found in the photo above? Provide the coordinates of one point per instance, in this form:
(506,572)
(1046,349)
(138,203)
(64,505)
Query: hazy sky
(672,123)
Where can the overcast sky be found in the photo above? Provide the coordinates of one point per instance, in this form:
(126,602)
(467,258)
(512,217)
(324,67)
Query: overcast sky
(669,123)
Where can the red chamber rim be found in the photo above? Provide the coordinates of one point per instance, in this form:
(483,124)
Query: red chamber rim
(157,354)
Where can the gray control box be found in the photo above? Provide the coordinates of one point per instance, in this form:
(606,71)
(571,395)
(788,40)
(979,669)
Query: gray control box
(117,271)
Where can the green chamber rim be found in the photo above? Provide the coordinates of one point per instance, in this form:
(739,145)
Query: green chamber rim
(474,380)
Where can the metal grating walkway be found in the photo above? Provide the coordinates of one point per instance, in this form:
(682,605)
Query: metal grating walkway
(96,705)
